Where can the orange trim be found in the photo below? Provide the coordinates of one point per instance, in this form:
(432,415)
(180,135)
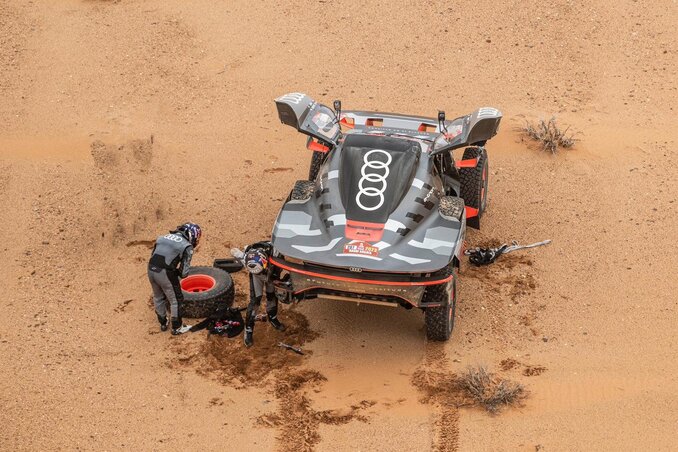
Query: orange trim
(471,212)
(468,163)
(345,122)
(364,281)
(315,146)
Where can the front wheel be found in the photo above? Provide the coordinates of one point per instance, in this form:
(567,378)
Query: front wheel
(440,319)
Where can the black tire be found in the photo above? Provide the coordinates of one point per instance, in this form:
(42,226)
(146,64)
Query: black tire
(303,190)
(451,207)
(440,320)
(475,182)
(205,303)
(316,161)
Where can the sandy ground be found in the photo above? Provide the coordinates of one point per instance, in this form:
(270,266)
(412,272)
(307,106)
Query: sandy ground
(121,118)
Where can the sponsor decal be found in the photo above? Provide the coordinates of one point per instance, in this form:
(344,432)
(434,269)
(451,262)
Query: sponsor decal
(453,131)
(374,177)
(362,248)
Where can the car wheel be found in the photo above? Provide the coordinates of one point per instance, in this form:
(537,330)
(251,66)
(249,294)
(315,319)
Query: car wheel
(205,290)
(316,162)
(440,319)
(303,190)
(451,207)
(475,182)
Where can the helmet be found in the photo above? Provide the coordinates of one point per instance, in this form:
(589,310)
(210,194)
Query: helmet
(256,260)
(191,231)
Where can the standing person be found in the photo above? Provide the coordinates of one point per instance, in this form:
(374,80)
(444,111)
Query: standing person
(261,274)
(170,261)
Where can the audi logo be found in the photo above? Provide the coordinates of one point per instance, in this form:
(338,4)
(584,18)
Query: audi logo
(374,177)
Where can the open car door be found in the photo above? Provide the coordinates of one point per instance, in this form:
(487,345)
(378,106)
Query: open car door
(309,117)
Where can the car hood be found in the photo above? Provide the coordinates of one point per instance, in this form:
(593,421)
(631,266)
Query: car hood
(405,234)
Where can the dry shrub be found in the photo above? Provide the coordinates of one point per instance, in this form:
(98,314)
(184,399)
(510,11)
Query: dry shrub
(490,391)
(474,387)
(549,135)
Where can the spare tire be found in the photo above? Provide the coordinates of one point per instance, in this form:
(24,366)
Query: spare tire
(205,290)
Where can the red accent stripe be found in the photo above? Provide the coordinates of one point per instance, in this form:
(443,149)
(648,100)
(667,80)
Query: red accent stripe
(315,146)
(471,212)
(374,282)
(468,163)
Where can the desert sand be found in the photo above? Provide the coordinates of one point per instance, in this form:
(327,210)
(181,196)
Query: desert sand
(120,119)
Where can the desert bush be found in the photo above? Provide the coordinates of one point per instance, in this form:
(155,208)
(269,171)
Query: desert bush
(489,391)
(549,135)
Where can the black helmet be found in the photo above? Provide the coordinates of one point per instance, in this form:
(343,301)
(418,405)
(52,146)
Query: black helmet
(191,231)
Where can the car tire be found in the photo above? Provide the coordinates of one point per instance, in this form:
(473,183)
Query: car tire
(475,182)
(451,207)
(205,290)
(440,319)
(303,190)
(316,161)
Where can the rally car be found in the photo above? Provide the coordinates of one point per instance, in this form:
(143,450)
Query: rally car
(383,214)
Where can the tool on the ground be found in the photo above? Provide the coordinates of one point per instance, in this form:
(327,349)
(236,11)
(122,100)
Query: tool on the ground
(289,347)
(485,256)
(226,322)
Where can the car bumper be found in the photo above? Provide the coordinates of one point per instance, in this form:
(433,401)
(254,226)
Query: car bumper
(310,281)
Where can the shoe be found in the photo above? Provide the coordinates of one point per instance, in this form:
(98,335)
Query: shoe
(163,322)
(181,330)
(249,339)
(277,324)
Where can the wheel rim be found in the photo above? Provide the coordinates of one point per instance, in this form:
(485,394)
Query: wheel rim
(197,283)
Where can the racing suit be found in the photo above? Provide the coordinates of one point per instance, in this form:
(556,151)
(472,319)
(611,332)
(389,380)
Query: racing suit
(170,260)
(258,285)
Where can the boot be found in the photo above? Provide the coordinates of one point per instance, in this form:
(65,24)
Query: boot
(163,322)
(277,324)
(178,326)
(249,339)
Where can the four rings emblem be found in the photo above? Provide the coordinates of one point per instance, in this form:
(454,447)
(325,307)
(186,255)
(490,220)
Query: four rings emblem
(379,171)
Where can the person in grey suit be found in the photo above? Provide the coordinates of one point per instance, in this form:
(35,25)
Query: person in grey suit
(170,261)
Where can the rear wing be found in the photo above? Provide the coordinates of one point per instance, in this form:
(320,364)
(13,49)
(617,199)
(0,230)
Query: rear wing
(476,128)
(320,122)
(353,119)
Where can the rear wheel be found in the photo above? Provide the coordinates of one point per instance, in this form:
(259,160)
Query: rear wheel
(205,290)
(440,319)
(474,183)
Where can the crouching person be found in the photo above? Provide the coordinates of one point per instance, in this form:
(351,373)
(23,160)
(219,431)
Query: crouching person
(261,276)
(170,261)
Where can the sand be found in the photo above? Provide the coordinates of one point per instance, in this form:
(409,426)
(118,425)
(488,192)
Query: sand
(120,119)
